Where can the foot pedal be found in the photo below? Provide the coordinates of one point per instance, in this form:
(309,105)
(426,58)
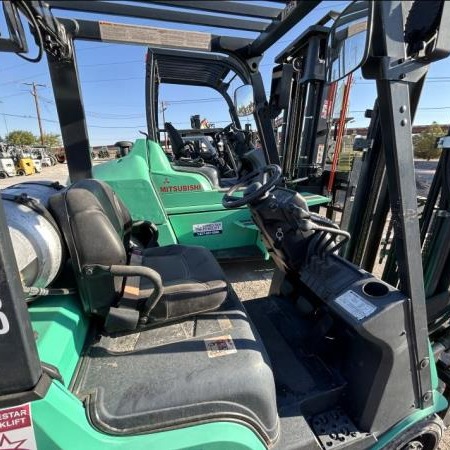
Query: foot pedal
(334,429)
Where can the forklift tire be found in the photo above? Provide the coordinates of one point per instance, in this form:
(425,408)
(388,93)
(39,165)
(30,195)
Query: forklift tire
(20,172)
(424,435)
(3,175)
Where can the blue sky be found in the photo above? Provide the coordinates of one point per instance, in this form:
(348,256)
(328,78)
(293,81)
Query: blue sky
(112,79)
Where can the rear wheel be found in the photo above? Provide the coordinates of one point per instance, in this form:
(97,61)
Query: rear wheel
(21,172)
(3,175)
(425,435)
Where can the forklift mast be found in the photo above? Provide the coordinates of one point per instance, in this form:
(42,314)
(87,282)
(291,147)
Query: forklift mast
(305,123)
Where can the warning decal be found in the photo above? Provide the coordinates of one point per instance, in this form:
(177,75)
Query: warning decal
(157,37)
(16,428)
(320,151)
(355,305)
(220,346)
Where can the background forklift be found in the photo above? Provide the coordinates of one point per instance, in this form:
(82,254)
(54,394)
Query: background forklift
(23,163)
(333,358)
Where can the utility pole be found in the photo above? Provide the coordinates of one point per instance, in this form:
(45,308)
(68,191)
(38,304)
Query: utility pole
(163,108)
(4,118)
(38,110)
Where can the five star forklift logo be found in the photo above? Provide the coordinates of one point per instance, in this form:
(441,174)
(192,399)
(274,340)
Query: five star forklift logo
(16,428)
(6,444)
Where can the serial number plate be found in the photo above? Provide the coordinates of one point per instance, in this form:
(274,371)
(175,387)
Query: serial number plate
(202,229)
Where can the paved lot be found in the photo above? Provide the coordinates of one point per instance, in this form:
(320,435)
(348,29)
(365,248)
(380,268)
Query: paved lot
(249,279)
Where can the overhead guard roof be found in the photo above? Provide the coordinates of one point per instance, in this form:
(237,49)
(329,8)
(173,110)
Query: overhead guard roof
(181,67)
(269,22)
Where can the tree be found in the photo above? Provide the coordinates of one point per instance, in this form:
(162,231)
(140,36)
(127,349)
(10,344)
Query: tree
(425,143)
(20,137)
(51,140)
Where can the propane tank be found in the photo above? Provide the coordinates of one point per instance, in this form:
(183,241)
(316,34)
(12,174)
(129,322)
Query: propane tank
(36,239)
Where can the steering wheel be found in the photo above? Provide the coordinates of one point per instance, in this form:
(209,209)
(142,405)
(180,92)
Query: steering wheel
(223,131)
(250,181)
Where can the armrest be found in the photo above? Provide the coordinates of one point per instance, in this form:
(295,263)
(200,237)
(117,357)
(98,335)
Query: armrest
(135,271)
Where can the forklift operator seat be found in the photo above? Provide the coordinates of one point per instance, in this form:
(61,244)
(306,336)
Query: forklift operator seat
(96,226)
(180,148)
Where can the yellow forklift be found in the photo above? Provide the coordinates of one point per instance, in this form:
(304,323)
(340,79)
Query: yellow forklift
(23,164)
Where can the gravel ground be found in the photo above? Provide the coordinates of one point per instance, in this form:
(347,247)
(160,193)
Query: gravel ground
(54,173)
(250,279)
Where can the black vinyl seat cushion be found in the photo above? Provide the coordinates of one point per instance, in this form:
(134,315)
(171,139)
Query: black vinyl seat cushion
(191,277)
(96,226)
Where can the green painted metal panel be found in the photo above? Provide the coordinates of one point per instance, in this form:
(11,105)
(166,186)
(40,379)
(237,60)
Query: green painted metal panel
(181,191)
(60,422)
(129,177)
(234,233)
(60,329)
(166,235)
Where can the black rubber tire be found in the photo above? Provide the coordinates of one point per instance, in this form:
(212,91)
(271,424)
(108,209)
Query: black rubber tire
(427,434)
(3,175)
(20,172)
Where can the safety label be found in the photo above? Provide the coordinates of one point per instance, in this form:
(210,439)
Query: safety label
(220,346)
(320,151)
(290,6)
(16,428)
(202,229)
(355,305)
(157,37)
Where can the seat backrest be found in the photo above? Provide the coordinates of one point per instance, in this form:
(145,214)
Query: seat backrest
(176,141)
(96,226)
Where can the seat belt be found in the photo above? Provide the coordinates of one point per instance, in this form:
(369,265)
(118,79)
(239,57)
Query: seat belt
(131,289)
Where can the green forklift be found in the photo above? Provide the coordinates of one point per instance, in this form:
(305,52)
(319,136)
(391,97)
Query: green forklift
(111,338)
(185,187)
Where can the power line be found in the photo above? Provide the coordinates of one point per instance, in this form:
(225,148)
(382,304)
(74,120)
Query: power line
(93,47)
(14,95)
(23,116)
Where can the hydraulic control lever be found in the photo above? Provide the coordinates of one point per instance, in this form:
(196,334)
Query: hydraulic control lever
(325,231)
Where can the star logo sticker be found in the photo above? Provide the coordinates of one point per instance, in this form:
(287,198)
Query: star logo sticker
(6,444)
